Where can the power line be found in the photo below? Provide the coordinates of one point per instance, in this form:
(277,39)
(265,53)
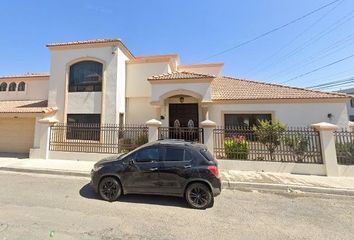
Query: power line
(292,41)
(270,31)
(313,40)
(333,83)
(319,68)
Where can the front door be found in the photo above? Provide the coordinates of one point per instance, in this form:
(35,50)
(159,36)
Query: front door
(183,121)
(183,113)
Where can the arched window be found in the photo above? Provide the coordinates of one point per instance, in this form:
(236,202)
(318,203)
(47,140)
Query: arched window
(85,76)
(12,87)
(21,87)
(3,87)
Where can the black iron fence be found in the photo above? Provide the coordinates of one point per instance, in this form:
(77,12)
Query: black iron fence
(300,145)
(93,138)
(186,133)
(345,147)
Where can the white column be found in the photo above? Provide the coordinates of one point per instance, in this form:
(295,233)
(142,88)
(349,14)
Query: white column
(153,126)
(328,147)
(208,127)
(44,137)
(351,126)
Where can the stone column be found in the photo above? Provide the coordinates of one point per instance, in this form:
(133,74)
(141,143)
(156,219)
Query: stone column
(351,126)
(153,126)
(208,127)
(328,147)
(44,136)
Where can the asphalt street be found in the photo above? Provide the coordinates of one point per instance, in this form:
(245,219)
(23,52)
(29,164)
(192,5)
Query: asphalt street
(35,206)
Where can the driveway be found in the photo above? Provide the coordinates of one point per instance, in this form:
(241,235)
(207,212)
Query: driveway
(57,207)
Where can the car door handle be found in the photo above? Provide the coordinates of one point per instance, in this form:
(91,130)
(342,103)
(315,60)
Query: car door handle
(153,169)
(187,166)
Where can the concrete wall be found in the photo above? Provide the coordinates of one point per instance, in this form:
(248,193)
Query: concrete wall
(35,90)
(296,168)
(292,114)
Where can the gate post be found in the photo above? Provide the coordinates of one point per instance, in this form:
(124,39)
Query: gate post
(351,126)
(208,127)
(44,140)
(328,147)
(153,126)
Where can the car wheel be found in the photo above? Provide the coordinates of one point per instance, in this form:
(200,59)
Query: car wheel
(199,196)
(110,189)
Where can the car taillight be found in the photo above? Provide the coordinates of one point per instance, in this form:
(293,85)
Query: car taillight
(214,170)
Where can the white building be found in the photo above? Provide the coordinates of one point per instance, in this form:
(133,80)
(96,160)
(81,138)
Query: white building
(350,103)
(102,82)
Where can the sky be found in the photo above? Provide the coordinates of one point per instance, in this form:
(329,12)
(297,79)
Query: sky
(196,30)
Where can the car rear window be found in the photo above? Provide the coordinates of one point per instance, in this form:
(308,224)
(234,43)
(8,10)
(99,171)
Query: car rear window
(207,155)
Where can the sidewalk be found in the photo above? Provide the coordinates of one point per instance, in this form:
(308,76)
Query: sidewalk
(231,179)
(59,167)
(288,182)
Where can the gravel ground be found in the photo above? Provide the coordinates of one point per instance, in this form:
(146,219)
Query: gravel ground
(56,207)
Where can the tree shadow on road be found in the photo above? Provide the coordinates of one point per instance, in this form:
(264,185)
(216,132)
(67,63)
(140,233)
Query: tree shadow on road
(87,192)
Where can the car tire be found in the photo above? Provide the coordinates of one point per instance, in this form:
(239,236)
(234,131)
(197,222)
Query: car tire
(109,189)
(199,196)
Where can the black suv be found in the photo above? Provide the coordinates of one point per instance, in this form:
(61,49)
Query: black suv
(166,167)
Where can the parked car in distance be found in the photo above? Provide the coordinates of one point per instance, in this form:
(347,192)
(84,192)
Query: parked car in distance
(164,167)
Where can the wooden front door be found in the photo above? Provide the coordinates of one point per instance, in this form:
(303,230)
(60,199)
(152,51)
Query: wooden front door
(183,113)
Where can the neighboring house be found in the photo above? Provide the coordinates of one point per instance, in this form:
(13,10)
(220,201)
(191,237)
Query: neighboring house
(102,82)
(350,104)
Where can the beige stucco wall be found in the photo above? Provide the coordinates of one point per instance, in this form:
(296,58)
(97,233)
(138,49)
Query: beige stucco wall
(84,102)
(137,75)
(35,90)
(202,89)
(139,110)
(212,70)
(292,114)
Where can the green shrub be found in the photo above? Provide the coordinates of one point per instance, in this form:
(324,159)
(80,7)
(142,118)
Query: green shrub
(141,139)
(345,151)
(298,145)
(270,135)
(236,147)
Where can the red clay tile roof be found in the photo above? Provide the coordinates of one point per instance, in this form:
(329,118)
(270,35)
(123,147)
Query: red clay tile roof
(228,88)
(36,106)
(180,75)
(113,40)
(26,75)
(94,41)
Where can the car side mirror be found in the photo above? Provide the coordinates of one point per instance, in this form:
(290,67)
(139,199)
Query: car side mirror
(131,162)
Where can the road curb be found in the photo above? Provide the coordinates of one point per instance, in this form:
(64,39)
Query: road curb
(284,187)
(225,184)
(46,171)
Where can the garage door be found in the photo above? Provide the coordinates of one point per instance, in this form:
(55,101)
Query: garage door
(16,134)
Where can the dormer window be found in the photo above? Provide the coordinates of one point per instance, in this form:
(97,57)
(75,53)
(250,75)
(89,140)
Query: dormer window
(21,87)
(86,76)
(3,87)
(12,87)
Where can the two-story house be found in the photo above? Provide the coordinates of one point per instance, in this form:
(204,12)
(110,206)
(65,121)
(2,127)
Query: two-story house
(102,82)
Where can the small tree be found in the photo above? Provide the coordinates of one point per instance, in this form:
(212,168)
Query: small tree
(270,135)
(298,145)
